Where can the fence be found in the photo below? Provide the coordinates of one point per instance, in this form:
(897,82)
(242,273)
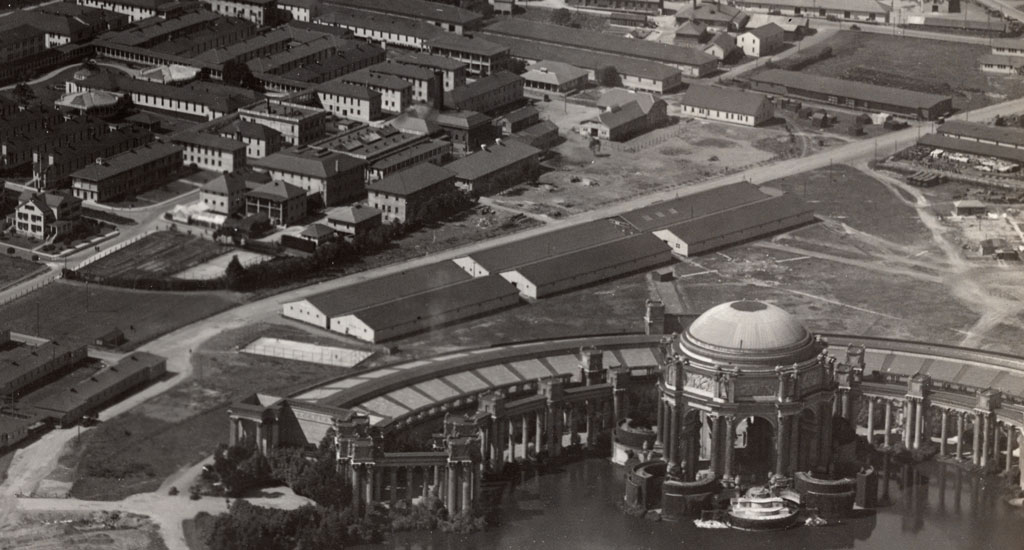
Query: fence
(311,353)
(100,255)
(6,298)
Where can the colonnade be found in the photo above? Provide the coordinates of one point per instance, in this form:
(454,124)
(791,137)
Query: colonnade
(456,483)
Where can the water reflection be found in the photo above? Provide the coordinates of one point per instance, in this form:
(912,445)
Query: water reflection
(933,506)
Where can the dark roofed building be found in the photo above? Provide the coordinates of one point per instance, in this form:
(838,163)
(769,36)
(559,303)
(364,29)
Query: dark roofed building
(319,309)
(589,266)
(482,57)
(283,203)
(554,76)
(727,105)
(448,17)
(664,214)
(495,167)
(715,17)
(490,94)
(852,94)
(353,220)
(400,195)
(126,174)
(329,177)
(1002,136)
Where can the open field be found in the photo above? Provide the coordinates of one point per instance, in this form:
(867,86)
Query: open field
(216,266)
(13,269)
(933,66)
(82,531)
(136,451)
(157,195)
(74,311)
(156,254)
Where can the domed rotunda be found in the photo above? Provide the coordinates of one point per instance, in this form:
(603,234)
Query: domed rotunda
(745,391)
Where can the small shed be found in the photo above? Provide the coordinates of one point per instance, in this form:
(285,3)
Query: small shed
(969,207)
(318,233)
(111,339)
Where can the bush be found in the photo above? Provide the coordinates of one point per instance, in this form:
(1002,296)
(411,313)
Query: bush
(10,250)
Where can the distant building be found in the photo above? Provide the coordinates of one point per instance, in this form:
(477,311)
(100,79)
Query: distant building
(467,130)
(395,93)
(727,105)
(426,84)
(347,100)
(260,12)
(447,17)
(652,7)
(940,6)
(721,46)
(489,94)
(517,120)
(542,135)
(211,152)
(452,71)
(1003,64)
(481,56)
(380,29)
(302,10)
(318,234)
(20,42)
(126,174)
(399,195)
(715,17)
(626,114)
(969,207)
(134,9)
(761,41)
(329,178)
(495,167)
(354,220)
(297,124)
(847,10)
(553,76)
(692,32)
(225,194)
(46,216)
(283,203)
(435,151)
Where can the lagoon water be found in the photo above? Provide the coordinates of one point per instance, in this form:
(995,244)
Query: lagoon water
(934,506)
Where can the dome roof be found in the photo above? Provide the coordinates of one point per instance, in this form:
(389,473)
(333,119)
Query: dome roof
(748,326)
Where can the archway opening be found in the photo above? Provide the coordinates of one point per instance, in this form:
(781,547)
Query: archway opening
(755,449)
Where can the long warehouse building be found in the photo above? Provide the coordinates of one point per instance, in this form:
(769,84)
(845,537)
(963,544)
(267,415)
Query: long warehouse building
(852,94)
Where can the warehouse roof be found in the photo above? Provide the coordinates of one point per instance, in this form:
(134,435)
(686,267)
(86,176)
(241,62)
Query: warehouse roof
(546,245)
(741,218)
(715,12)
(493,159)
(84,392)
(593,259)
(379,290)
(436,302)
(411,180)
(692,206)
(401,70)
(729,100)
(849,88)
(123,162)
(426,60)
(427,147)
(364,77)
(209,141)
(1001,134)
(764,31)
(465,44)
(308,162)
(480,87)
(553,72)
(1015,61)
(21,360)
(621,115)
(860,6)
(527,49)
(350,18)
(416,9)
(972,147)
(599,41)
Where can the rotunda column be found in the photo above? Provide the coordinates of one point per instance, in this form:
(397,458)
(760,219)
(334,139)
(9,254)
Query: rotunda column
(976,447)
(887,434)
(716,445)
(782,446)
(908,423)
(660,429)
(1009,448)
(525,436)
(730,446)
(918,423)
(393,481)
(1020,459)
(959,436)
(943,429)
(985,429)
(871,421)
(673,439)
(539,429)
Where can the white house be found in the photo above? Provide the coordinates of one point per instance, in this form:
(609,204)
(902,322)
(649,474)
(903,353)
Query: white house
(761,41)
(727,105)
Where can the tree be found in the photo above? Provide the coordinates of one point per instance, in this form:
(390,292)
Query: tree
(235,273)
(239,74)
(23,93)
(562,16)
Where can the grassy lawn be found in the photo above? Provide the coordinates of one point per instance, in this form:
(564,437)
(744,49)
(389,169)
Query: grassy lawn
(136,451)
(13,269)
(933,66)
(156,254)
(850,196)
(75,311)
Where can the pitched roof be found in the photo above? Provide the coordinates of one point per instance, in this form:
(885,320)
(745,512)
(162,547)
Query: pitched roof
(553,72)
(621,115)
(494,158)
(353,214)
(481,87)
(342,87)
(723,40)
(692,28)
(730,100)
(546,245)
(411,180)
(436,302)
(738,219)
(617,97)
(277,191)
(317,231)
(236,182)
(859,6)
(365,77)
(694,205)
(715,12)
(849,88)
(589,260)
(599,41)
(210,141)
(765,31)
(379,290)
(126,161)
(416,9)
(521,114)
(466,44)
(400,70)
(308,162)
(1000,134)
(426,60)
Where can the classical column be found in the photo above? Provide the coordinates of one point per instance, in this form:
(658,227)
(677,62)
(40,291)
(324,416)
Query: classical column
(617,394)
(871,420)
(976,448)
(1020,459)
(782,446)
(574,435)
(845,407)
(486,444)
(371,475)
(984,440)
(426,481)
(1009,449)
(995,442)
(673,438)
(511,441)
(660,431)
(259,438)
(716,444)
(393,480)
(887,435)
(233,436)
(908,423)
(591,428)
(357,485)
(919,412)
(467,486)
(959,436)
(730,446)
(539,421)
(452,482)
(525,436)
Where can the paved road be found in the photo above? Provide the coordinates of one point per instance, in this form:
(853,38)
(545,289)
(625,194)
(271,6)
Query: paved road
(1007,8)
